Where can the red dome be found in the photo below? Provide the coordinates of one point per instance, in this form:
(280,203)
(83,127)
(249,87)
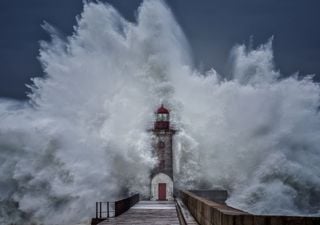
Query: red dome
(162,110)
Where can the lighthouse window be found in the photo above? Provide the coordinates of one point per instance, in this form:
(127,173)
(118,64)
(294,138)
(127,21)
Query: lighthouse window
(162,117)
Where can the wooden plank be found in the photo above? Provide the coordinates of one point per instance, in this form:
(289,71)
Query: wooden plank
(147,213)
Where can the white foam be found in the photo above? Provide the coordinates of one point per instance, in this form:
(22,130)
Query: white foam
(83,137)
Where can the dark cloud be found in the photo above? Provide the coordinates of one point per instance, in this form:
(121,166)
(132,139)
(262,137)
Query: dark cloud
(215,26)
(212,27)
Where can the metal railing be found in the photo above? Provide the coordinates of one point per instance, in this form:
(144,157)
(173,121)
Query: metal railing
(123,205)
(106,210)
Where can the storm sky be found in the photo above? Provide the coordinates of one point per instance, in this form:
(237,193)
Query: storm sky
(212,27)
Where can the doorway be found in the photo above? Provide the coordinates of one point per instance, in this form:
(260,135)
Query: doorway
(162,192)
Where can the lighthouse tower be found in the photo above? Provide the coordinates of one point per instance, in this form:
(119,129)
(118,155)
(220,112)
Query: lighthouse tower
(162,174)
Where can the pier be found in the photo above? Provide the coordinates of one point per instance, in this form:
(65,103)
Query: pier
(146,213)
(190,209)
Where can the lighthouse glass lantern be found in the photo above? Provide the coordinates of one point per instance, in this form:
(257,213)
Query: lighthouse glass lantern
(162,119)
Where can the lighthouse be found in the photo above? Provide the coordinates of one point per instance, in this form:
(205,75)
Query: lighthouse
(162,174)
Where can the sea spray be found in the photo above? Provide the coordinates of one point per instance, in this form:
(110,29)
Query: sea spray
(83,134)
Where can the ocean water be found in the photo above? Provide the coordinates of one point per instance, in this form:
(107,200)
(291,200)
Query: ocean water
(82,135)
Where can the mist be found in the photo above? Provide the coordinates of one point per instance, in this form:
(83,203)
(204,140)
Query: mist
(82,136)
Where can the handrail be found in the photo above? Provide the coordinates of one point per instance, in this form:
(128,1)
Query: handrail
(115,208)
(105,210)
(101,206)
(123,205)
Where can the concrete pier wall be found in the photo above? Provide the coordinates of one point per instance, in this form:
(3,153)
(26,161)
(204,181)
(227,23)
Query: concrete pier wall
(208,212)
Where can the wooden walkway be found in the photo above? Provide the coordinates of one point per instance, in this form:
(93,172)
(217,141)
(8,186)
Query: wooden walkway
(147,213)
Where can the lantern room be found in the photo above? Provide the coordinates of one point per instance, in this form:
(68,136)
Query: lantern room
(162,119)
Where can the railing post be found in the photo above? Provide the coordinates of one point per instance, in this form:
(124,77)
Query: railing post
(97,210)
(117,207)
(107,209)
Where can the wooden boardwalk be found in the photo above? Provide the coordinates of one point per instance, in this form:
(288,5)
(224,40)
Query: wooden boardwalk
(147,213)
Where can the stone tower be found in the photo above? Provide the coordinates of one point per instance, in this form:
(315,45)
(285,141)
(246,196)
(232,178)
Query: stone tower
(162,174)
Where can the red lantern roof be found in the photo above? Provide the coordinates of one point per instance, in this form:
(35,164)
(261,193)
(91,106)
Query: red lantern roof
(162,110)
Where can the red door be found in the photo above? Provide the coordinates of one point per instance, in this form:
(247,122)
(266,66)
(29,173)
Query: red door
(162,191)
